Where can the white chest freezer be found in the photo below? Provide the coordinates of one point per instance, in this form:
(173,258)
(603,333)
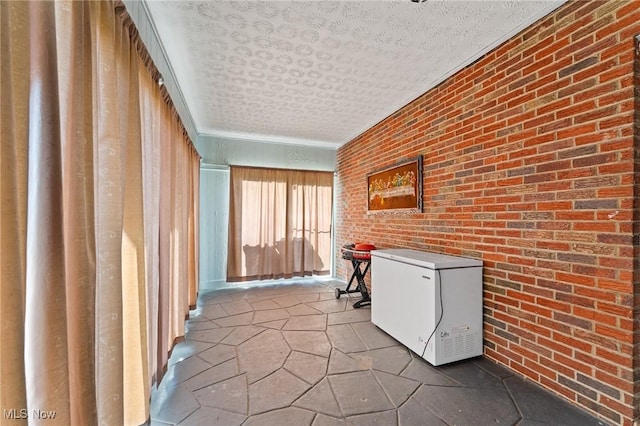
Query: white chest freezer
(429,302)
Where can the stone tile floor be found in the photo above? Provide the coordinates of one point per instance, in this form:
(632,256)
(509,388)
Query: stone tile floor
(293,354)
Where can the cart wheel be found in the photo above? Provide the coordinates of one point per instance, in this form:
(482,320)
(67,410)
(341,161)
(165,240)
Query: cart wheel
(338,293)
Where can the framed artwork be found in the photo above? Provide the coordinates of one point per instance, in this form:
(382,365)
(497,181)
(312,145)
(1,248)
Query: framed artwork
(396,189)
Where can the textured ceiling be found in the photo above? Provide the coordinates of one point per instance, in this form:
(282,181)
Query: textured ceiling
(318,72)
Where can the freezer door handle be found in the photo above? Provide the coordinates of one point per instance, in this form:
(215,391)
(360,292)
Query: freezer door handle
(426,276)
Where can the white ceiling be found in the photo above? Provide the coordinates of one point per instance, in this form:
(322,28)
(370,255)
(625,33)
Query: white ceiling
(318,72)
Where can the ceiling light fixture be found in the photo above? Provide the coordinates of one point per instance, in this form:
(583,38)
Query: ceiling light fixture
(418,1)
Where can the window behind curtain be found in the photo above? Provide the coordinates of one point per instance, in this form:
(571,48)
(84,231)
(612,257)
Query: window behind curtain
(279,223)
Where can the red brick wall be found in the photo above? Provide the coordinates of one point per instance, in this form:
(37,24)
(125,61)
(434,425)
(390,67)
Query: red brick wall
(529,165)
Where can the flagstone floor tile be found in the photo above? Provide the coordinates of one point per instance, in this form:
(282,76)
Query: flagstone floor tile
(290,353)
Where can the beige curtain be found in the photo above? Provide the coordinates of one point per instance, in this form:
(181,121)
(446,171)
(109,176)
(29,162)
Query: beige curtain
(99,216)
(279,223)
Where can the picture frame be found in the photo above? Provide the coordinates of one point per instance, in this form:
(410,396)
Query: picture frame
(396,189)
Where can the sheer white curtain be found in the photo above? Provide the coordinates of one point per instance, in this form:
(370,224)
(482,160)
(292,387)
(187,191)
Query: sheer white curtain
(279,223)
(98,191)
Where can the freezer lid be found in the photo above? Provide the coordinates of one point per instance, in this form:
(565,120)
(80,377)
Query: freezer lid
(426,259)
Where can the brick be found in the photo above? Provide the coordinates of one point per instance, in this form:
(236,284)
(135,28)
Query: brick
(615,262)
(554,205)
(578,66)
(575,279)
(576,45)
(616,334)
(594,160)
(574,321)
(600,93)
(554,305)
(576,194)
(601,410)
(527,372)
(593,27)
(612,363)
(597,70)
(597,294)
(596,114)
(618,286)
(579,388)
(522,82)
(557,367)
(538,367)
(603,43)
(598,181)
(568,394)
(570,89)
(575,108)
(614,74)
(597,204)
(580,301)
(523,173)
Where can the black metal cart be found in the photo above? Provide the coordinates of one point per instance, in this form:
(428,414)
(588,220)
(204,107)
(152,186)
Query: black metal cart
(359,259)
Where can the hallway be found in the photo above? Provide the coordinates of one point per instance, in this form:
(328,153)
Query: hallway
(292,354)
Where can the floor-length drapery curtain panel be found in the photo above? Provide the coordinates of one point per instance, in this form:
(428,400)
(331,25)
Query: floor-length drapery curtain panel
(14,104)
(279,223)
(96,278)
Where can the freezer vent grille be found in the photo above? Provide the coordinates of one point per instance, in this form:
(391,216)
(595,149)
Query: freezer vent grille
(460,345)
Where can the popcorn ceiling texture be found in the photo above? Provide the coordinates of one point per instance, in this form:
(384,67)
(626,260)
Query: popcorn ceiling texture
(529,165)
(321,71)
